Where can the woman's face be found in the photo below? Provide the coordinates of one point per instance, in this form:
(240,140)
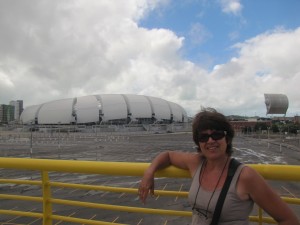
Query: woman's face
(213,143)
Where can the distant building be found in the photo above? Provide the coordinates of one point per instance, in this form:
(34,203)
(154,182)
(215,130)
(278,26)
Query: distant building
(12,112)
(105,109)
(18,108)
(241,125)
(297,119)
(6,113)
(283,118)
(276,103)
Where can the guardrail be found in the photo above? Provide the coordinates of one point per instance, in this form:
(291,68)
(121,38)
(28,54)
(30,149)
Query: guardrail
(272,172)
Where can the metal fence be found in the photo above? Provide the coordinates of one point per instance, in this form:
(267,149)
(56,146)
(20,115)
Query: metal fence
(48,215)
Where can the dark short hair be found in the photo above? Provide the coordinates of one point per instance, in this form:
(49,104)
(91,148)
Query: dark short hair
(210,119)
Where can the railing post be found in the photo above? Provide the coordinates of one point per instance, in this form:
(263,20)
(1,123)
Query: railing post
(260,213)
(47,206)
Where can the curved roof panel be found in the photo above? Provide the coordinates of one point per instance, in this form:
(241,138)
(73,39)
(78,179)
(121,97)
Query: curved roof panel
(87,109)
(28,116)
(56,112)
(161,108)
(177,112)
(113,107)
(138,106)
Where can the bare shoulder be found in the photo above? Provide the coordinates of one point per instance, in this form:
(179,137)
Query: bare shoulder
(249,175)
(185,160)
(255,187)
(250,180)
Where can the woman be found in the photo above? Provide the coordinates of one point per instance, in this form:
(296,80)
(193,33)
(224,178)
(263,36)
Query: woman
(213,134)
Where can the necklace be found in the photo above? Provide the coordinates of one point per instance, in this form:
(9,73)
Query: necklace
(203,167)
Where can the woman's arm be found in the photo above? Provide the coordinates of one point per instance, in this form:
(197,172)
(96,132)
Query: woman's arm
(264,196)
(181,160)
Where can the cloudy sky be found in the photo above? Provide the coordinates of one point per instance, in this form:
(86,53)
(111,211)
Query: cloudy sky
(198,53)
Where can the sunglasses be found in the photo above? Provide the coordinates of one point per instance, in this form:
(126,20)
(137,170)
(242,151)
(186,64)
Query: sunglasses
(216,135)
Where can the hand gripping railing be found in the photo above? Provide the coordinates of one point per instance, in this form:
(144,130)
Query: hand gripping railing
(272,172)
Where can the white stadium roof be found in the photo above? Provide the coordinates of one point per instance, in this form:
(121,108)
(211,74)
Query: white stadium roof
(104,108)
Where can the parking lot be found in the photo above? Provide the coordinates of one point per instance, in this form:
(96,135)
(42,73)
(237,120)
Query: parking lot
(124,147)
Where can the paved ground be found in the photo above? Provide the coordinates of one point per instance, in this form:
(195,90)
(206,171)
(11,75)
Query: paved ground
(132,147)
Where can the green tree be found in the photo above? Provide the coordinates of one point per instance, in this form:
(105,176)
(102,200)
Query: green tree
(275,128)
(260,126)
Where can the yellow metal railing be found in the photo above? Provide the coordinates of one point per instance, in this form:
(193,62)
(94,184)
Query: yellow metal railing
(272,172)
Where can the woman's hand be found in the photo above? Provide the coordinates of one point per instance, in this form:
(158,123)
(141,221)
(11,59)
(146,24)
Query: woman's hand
(146,186)
(182,160)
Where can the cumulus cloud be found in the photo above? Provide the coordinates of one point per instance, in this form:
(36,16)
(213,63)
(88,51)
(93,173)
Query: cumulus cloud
(56,49)
(268,63)
(231,6)
(63,48)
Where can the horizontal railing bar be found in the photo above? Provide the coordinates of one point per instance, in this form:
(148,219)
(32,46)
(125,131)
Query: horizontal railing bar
(85,221)
(278,172)
(263,219)
(21,213)
(57,217)
(94,187)
(82,221)
(121,208)
(183,194)
(273,172)
(72,166)
(295,201)
(109,189)
(135,191)
(116,189)
(19,197)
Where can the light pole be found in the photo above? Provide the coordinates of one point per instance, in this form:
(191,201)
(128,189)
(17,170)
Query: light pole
(268,136)
(31,140)
(59,140)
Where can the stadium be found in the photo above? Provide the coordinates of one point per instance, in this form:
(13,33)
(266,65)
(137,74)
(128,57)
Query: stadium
(105,109)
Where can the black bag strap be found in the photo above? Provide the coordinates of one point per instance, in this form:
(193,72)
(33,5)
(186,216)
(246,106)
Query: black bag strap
(233,165)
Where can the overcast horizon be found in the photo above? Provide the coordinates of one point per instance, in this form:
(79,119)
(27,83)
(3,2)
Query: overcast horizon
(224,54)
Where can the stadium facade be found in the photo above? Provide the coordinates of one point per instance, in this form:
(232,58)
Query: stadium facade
(105,109)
